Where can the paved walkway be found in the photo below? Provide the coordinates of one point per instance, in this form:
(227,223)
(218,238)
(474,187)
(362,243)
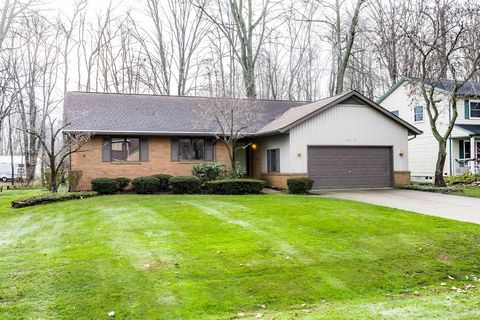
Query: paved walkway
(434,204)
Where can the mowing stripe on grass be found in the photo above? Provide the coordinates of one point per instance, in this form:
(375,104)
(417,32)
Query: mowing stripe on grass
(284,246)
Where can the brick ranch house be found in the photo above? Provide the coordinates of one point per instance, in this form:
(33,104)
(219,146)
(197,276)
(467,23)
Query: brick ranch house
(344,141)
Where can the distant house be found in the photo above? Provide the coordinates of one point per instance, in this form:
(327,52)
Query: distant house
(463,147)
(6,167)
(345,141)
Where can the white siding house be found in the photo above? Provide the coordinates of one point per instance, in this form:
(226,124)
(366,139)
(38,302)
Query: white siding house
(423,149)
(347,125)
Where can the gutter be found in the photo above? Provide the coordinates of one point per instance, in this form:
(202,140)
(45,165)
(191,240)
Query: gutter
(154,133)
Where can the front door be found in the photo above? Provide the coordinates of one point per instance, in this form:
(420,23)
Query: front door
(241,158)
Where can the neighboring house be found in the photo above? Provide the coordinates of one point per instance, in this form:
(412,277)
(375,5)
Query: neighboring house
(463,147)
(6,167)
(345,141)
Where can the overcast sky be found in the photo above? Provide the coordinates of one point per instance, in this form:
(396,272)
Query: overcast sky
(66,6)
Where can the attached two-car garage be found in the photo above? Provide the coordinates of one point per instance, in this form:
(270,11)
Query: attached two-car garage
(342,142)
(345,167)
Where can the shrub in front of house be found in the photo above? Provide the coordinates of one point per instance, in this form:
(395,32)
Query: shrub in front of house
(121,183)
(146,185)
(47,179)
(73,178)
(164,181)
(299,185)
(466,178)
(186,185)
(51,197)
(207,171)
(104,185)
(234,186)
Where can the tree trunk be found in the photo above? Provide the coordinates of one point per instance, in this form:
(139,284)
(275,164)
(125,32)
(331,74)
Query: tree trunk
(231,155)
(343,60)
(441,157)
(249,79)
(53,182)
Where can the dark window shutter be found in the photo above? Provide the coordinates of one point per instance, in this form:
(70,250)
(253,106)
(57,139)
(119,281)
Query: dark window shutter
(277,160)
(462,149)
(209,150)
(269,160)
(174,149)
(106,150)
(143,149)
(467,109)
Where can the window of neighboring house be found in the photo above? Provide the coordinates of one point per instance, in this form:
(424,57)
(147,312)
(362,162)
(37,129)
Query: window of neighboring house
(273,160)
(418,114)
(396,112)
(474,109)
(125,149)
(466,148)
(191,149)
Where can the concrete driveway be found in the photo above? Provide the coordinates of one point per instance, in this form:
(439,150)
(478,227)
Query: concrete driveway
(434,204)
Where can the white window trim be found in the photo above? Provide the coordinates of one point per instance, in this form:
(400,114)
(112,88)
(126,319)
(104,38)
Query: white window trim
(423,115)
(477,144)
(470,108)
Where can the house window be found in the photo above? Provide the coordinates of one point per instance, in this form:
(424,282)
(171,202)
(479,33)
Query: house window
(466,148)
(273,160)
(418,114)
(125,149)
(474,109)
(191,149)
(396,112)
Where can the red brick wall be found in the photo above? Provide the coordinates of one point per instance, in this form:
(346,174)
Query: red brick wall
(159,161)
(401,178)
(279,180)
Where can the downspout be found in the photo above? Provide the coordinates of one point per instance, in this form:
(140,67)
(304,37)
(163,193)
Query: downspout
(450,139)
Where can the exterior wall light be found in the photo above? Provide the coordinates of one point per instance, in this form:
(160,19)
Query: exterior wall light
(401,153)
(254,146)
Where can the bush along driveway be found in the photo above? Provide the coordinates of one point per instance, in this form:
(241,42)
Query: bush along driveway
(218,257)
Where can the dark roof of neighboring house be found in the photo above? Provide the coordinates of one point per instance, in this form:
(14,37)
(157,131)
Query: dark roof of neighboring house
(112,113)
(473,129)
(469,89)
(109,113)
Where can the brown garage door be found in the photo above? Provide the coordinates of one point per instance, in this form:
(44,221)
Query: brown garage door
(334,167)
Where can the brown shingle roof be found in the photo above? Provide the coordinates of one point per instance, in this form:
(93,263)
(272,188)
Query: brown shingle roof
(154,114)
(111,113)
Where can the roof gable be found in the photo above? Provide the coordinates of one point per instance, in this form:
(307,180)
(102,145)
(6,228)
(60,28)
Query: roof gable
(469,89)
(300,114)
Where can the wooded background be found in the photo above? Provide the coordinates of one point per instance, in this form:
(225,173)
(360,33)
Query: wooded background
(262,49)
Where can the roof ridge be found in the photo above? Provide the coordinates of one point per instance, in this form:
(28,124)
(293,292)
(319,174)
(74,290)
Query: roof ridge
(178,96)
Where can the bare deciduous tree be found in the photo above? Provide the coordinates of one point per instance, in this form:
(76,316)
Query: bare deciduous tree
(245,25)
(11,9)
(442,46)
(55,154)
(233,119)
(343,54)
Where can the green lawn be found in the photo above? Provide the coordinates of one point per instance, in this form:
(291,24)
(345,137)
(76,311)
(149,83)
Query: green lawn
(472,192)
(225,257)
